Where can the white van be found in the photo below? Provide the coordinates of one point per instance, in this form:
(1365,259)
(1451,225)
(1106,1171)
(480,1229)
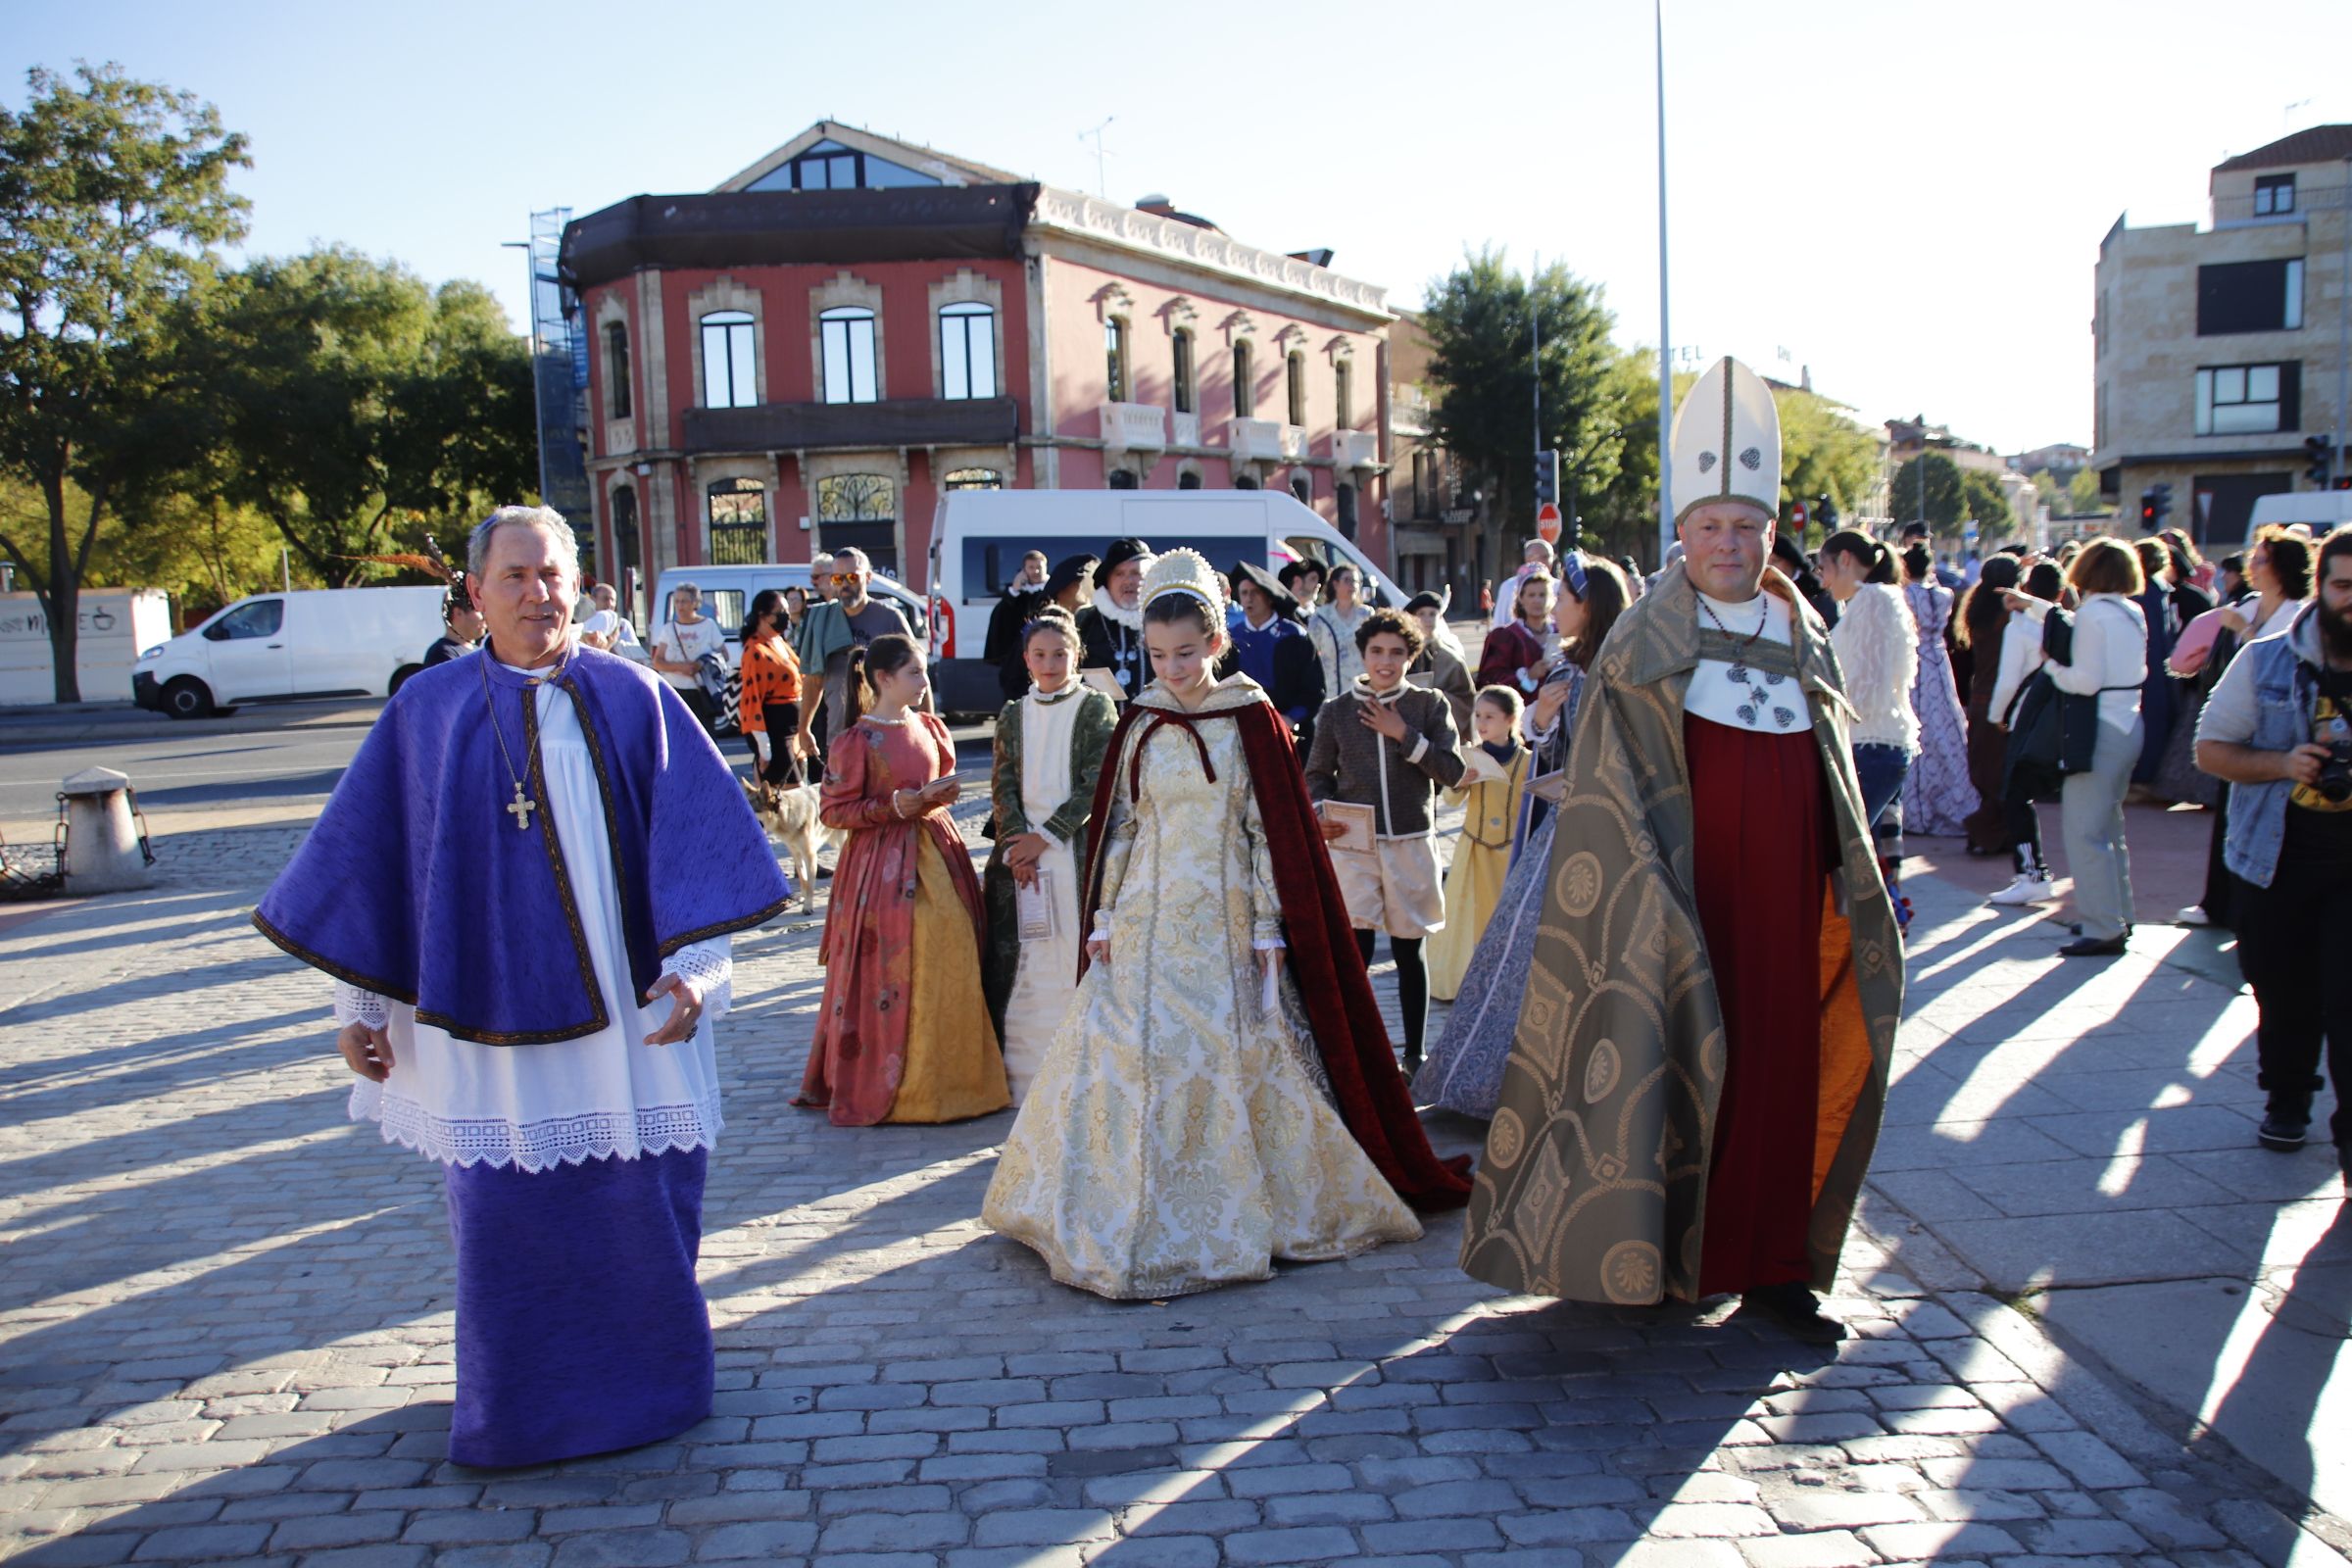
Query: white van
(728,592)
(310,641)
(979,536)
(2320,510)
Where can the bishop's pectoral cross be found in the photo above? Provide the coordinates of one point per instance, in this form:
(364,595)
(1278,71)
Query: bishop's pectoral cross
(521,810)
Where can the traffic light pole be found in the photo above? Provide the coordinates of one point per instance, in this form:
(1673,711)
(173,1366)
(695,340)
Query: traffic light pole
(2344,328)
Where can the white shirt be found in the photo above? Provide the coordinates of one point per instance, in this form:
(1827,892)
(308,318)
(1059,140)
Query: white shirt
(609,622)
(684,644)
(1878,653)
(2110,652)
(1781,709)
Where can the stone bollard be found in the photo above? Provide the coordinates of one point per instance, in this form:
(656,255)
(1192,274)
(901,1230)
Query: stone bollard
(104,850)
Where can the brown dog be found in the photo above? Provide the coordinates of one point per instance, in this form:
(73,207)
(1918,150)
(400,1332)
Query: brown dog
(790,817)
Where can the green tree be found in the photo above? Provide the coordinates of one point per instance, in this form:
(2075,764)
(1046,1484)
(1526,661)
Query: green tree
(1987,506)
(1822,451)
(2082,491)
(1483,376)
(113,194)
(1945,502)
(355,408)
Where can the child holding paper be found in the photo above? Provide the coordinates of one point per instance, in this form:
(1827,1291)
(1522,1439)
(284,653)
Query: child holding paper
(1383,750)
(1048,751)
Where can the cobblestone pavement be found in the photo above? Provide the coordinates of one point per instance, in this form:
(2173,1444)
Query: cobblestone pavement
(225,1335)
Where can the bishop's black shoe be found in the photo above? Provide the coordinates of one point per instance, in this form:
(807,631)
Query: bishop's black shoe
(1794,1308)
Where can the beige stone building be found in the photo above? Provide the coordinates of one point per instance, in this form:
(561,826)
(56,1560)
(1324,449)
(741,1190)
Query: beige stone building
(2217,346)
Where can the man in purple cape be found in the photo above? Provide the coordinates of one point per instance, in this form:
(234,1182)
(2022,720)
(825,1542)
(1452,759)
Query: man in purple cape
(523,888)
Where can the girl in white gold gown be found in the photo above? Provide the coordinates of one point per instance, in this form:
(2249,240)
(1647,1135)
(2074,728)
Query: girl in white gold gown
(1180,1134)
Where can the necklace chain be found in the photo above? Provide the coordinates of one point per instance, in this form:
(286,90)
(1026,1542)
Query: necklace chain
(523,806)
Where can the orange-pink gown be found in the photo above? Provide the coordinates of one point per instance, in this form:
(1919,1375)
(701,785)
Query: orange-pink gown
(904,1034)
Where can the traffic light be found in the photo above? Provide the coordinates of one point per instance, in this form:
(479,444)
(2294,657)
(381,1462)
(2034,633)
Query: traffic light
(1548,478)
(1825,513)
(2315,459)
(2147,512)
(2161,493)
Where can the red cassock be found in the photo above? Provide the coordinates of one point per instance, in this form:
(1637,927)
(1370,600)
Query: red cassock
(1761,855)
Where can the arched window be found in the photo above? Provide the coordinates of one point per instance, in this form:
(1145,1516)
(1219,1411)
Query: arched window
(1188,479)
(730,375)
(1181,350)
(738,522)
(968,351)
(1303,488)
(860,509)
(616,370)
(849,344)
(1245,385)
(1114,355)
(1123,479)
(1343,391)
(1344,497)
(1245,481)
(973,479)
(1296,365)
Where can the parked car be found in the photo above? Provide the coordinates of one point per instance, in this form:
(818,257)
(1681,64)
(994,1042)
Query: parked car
(980,536)
(282,647)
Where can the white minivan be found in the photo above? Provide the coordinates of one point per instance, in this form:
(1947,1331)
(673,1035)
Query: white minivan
(309,641)
(2320,510)
(979,537)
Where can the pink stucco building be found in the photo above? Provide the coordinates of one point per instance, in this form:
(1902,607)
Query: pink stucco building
(808,355)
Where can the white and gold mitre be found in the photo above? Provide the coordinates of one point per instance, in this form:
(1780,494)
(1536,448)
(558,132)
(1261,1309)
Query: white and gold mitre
(1727,441)
(1186,571)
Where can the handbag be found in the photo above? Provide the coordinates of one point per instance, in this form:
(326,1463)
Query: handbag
(2053,733)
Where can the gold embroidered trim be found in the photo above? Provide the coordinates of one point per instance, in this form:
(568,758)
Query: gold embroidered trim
(347,976)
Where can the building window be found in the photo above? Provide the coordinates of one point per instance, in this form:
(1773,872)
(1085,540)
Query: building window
(1425,487)
(1188,479)
(2248,399)
(1343,509)
(730,378)
(1181,348)
(848,349)
(968,351)
(973,479)
(626,562)
(1245,481)
(2274,195)
(616,370)
(738,522)
(1296,368)
(1123,479)
(2249,297)
(1303,488)
(829,166)
(856,497)
(1114,358)
(1342,387)
(1245,385)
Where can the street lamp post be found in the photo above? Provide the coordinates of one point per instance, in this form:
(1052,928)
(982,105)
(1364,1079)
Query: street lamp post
(1665,335)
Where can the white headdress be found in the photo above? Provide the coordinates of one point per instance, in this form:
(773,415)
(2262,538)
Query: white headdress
(1185,572)
(1727,441)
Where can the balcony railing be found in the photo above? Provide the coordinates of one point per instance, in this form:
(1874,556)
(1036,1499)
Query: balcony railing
(1265,441)
(1185,429)
(1355,449)
(1133,427)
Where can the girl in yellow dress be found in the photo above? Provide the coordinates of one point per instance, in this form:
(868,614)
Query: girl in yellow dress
(1482,856)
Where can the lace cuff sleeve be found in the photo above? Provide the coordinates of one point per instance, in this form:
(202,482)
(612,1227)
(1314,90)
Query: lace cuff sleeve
(355,1005)
(711,966)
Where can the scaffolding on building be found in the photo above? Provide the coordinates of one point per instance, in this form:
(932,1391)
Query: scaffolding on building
(559,383)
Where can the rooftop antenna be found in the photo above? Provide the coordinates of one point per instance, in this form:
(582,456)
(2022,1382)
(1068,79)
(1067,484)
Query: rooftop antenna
(1101,183)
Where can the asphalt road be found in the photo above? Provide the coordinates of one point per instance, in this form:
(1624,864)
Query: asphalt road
(265,765)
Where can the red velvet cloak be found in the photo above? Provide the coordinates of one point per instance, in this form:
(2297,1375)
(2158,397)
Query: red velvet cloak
(1350,1038)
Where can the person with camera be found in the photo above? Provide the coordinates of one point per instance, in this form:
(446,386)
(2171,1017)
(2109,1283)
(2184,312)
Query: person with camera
(2278,728)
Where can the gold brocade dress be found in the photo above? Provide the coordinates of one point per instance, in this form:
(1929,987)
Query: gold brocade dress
(1481,858)
(1180,1136)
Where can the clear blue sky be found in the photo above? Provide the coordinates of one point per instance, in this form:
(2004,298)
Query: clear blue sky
(1908,198)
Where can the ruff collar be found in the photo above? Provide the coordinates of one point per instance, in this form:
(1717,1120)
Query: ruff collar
(1118,613)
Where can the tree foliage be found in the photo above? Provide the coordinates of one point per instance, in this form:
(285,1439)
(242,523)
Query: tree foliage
(1483,371)
(1954,498)
(352,407)
(1823,453)
(113,195)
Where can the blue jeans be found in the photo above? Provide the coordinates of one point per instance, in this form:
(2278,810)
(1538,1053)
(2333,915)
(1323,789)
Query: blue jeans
(1881,768)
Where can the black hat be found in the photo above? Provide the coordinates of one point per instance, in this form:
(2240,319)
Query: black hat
(1286,603)
(1291,571)
(1069,569)
(1423,600)
(1121,552)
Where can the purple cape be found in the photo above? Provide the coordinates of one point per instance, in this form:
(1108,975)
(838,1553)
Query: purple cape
(415,884)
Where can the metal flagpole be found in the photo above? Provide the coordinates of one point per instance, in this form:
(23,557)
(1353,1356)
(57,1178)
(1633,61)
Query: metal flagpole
(1665,335)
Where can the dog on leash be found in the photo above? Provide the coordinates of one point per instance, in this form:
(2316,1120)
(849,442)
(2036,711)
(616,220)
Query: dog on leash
(790,817)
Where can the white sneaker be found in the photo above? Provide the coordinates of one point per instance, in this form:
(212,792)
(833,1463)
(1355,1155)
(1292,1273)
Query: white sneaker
(2026,888)
(2191,915)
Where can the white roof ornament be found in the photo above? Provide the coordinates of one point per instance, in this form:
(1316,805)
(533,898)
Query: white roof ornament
(1726,442)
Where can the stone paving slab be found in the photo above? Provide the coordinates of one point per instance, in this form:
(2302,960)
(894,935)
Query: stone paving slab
(224,1330)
